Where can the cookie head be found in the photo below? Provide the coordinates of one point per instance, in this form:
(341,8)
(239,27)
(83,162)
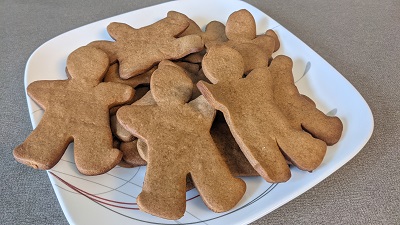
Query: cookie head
(193,28)
(87,64)
(241,25)
(215,33)
(170,84)
(223,63)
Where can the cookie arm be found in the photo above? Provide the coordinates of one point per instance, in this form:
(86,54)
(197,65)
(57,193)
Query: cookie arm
(183,46)
(120,30)
(115,93)
(326,128)
(136,119)
(272,34)
(42,90)
(211,95)
(321,126)
(267,43)
(201,105)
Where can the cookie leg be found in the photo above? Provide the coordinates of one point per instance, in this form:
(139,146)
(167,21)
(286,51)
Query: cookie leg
(94,153)
(265,157)
(326,128)
(43,148)
(219,190)
(302,149)
(164,192)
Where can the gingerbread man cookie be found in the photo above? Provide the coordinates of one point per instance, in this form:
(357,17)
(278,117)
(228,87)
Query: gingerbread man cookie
(260,128)
(76,110)
(137,50)
(256,50)
(177,135)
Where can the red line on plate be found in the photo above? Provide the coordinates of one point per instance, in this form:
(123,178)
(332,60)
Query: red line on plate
(96,198)
(92,196)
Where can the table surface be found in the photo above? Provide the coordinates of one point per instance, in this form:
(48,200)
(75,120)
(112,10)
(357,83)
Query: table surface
(359,38)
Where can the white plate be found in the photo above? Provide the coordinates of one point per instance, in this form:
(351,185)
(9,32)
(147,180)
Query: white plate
(110,198)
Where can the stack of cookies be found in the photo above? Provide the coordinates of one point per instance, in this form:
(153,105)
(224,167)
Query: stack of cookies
(199,108)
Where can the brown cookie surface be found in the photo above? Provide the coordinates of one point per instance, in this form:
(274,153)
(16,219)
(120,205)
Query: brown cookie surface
(240,31)
(272,34)
(140,91)
(258,125)
(192,71)
(76,110)
(230,150)
(131,154)
(112,75)
(119,131)
(226,145)
(241,28)
(299,109)
(177,134)
(214,32)
(137,50)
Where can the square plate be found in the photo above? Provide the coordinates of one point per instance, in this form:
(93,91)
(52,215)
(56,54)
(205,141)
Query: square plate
(110,198)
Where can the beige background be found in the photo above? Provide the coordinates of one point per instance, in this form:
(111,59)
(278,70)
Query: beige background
(360,38)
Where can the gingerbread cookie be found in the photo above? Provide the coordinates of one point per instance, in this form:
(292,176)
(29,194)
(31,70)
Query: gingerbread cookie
(137,50)
(240,31)
(260,128)
(241,28)
(299,109)
(76,110)
(178,141)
